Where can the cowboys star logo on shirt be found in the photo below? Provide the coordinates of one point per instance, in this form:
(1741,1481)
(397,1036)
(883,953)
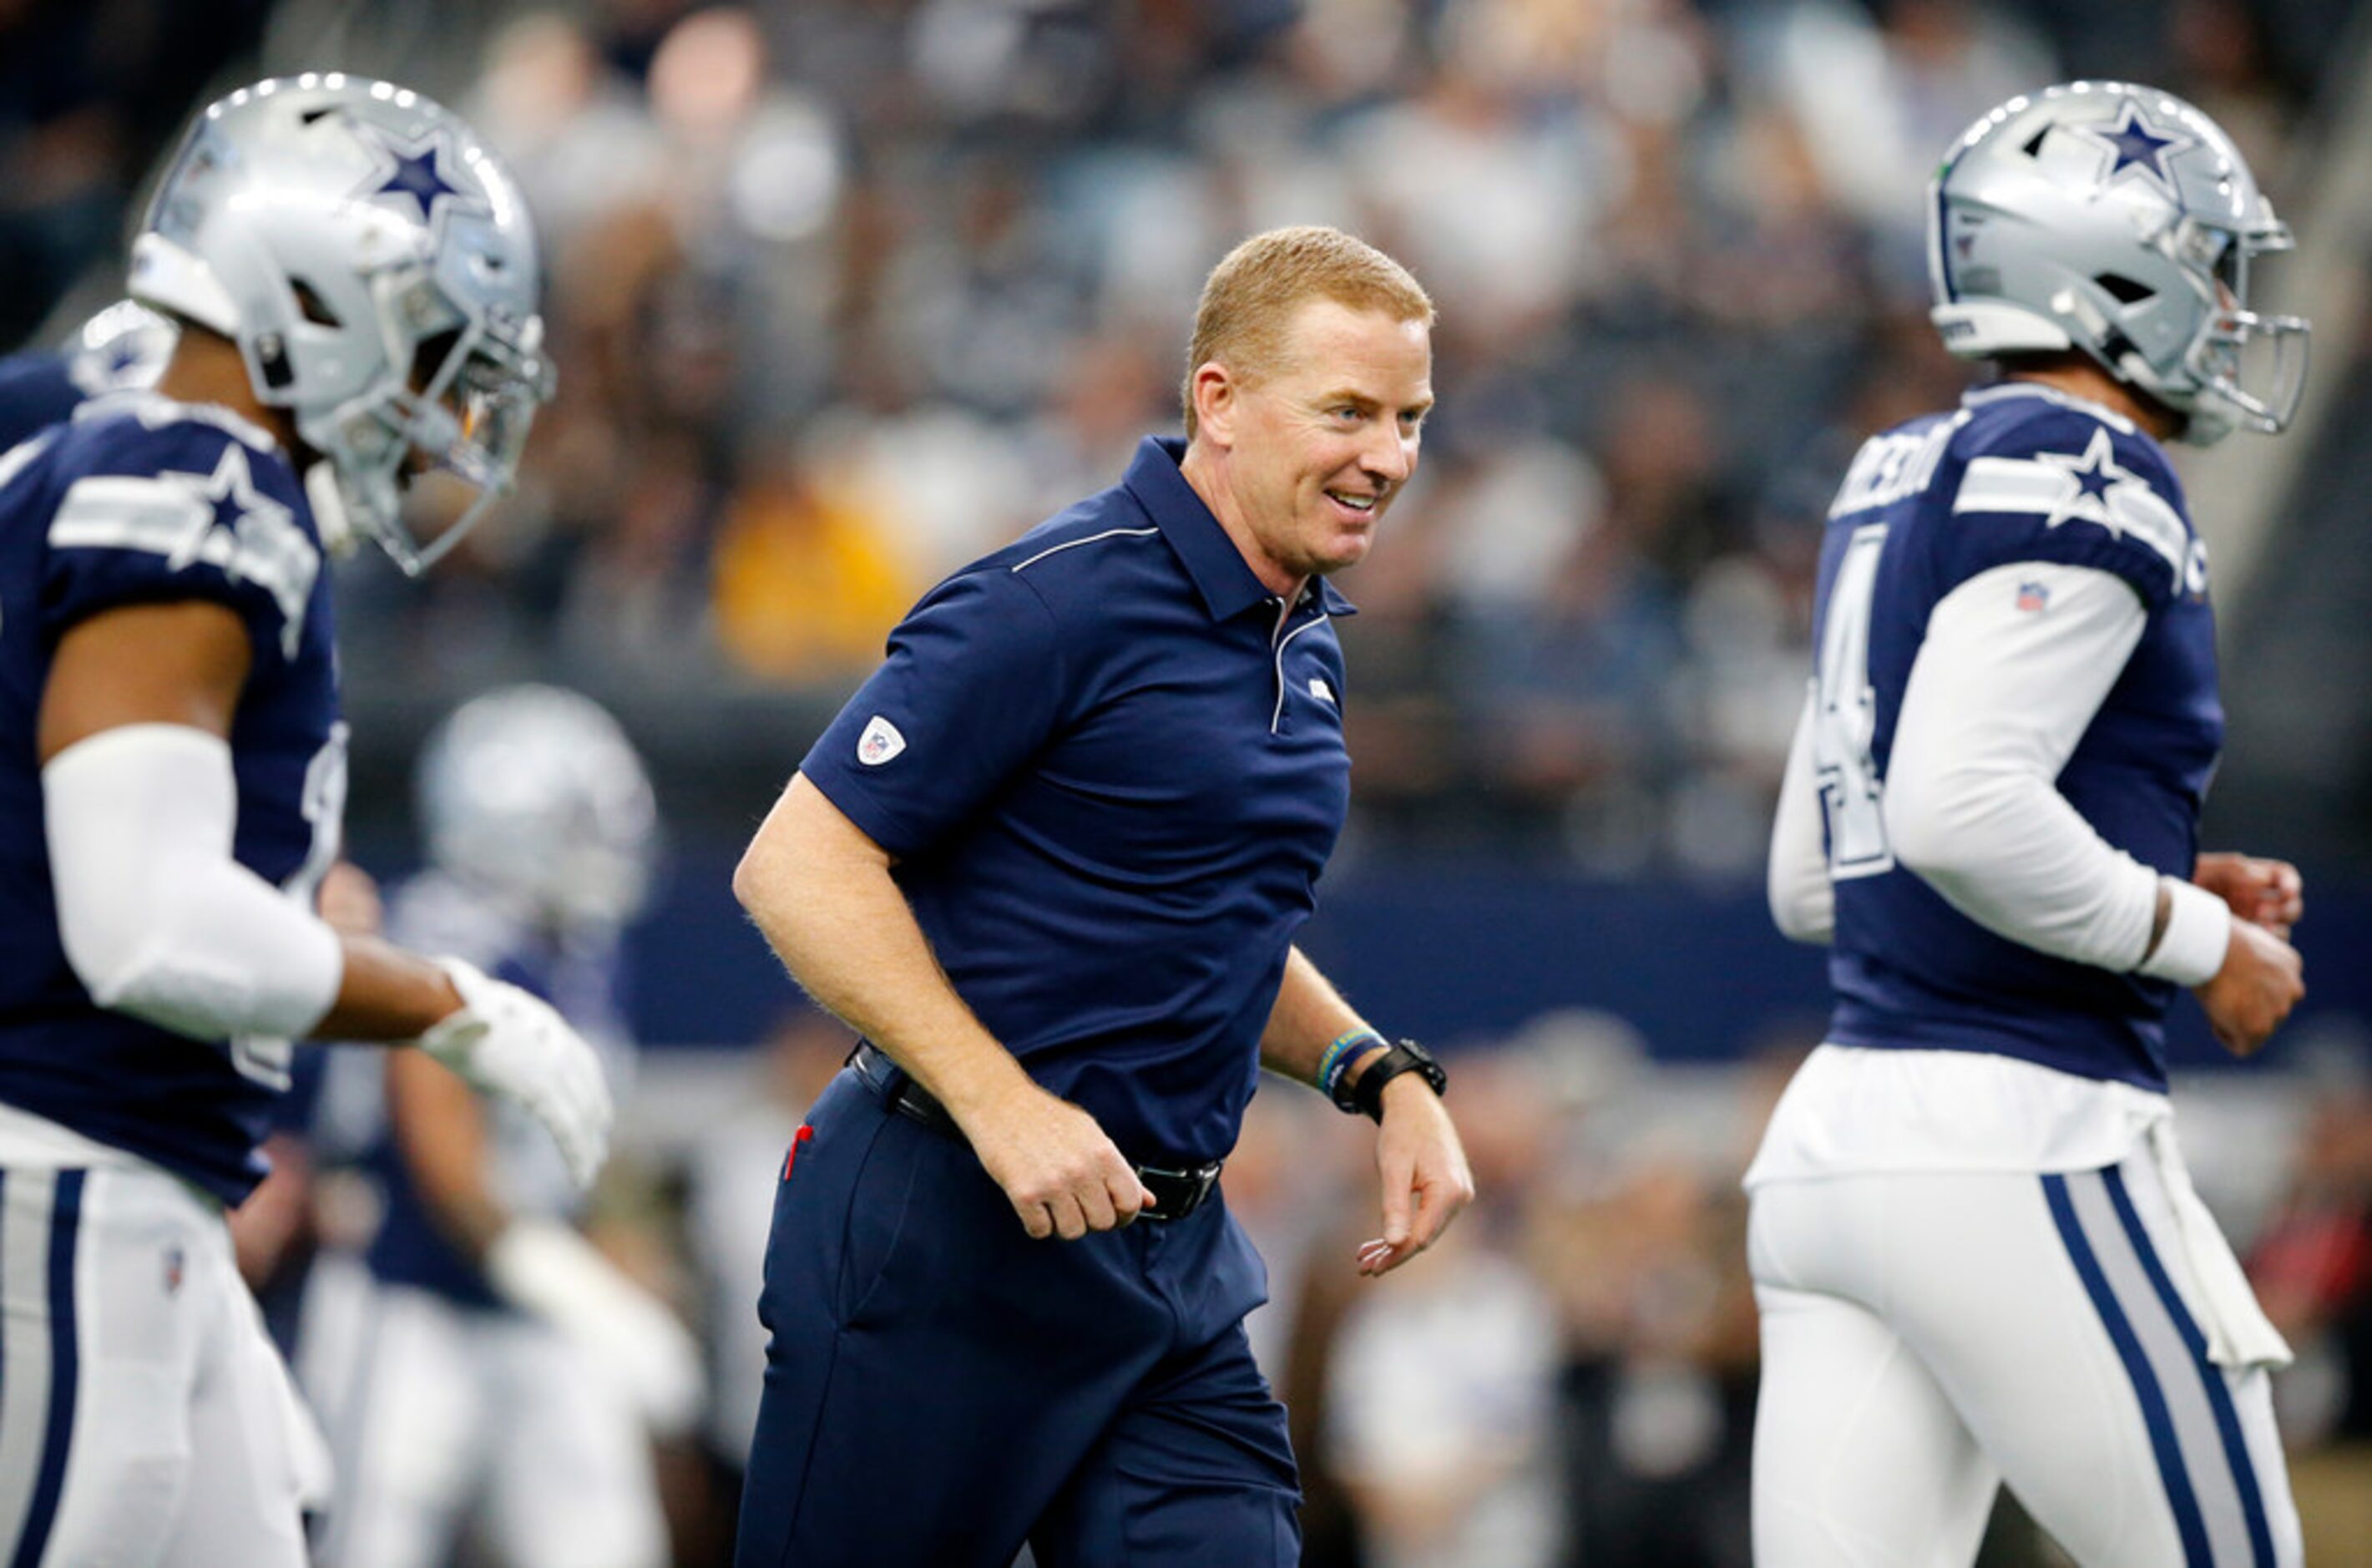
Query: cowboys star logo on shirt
(880,742)
(221,518)
(2088,487)
(2095,474)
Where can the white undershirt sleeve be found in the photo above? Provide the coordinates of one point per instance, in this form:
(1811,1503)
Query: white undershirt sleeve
(1997,700)
(1803,899)
(156,917)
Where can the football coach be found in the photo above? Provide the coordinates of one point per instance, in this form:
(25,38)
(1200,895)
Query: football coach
(1049,862)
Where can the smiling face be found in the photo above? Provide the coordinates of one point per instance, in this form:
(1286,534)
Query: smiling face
(1299,459)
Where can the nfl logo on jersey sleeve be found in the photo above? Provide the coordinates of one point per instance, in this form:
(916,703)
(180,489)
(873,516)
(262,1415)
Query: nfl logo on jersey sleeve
(880,742)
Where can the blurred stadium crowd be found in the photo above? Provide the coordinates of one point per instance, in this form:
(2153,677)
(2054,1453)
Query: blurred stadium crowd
(845,292)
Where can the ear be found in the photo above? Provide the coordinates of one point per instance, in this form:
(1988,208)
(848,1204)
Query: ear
(1218,398)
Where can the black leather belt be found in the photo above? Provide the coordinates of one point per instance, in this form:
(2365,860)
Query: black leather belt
(1175,1194)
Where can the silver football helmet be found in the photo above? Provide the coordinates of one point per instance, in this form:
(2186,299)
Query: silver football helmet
(376,267)
(535,794)
(124,347)
(2119,220)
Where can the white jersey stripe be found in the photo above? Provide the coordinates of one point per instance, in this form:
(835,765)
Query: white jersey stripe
(2010,484)
(2143,514)
(119,512)
(20,454)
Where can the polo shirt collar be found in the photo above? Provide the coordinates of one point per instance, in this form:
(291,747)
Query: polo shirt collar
(1221,574)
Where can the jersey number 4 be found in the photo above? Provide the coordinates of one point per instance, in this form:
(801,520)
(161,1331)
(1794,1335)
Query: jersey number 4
(1844,720)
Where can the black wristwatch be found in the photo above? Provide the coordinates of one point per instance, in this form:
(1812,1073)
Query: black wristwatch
(1367,1095)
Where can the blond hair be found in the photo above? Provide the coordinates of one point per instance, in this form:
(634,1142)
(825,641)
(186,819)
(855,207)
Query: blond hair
(1251,297)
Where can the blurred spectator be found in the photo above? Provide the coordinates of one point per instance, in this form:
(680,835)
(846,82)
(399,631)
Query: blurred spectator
(1439,1394)
(2312,1268)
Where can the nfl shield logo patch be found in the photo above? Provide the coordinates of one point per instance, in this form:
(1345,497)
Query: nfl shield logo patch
(880,742)
(2033,595)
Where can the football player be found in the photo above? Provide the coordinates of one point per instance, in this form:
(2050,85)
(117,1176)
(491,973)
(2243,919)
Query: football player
(497,1368)
(1977,1254)
(123,348)
(354,281)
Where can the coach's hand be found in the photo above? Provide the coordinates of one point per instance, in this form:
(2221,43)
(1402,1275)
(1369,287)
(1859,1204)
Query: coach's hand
(1426,1181)
(505,1041)
(2269,892)
(2262,980)
(1058,1171)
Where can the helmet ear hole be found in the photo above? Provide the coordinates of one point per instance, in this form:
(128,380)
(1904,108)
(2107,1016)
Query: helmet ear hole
(2122,289)
(311,306)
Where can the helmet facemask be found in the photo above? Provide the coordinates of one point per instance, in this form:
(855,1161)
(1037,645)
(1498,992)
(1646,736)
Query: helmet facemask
(2240,350)
(464,409)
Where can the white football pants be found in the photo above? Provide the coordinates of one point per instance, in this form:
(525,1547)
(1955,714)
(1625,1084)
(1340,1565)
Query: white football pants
(436,1413)
(1926,1337)
(145,1418)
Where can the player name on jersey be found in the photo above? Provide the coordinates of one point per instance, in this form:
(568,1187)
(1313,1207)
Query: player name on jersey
(1890,467)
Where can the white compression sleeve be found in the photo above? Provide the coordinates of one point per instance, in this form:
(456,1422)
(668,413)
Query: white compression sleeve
(1997,700)
(158,920)
(1803,899)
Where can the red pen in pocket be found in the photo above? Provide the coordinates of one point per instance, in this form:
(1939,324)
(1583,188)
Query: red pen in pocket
(792,1158)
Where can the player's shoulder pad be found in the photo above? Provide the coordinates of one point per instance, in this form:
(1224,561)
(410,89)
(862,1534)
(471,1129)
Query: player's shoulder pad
(2050,477)
(192,488)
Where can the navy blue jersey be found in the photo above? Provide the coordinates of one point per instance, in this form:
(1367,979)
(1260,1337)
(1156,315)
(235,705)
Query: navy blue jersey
(135,500)
(37,391)
(1110,765)
(580,975)
(2017,474)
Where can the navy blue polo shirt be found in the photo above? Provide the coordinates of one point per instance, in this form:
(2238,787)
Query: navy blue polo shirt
(1109,764)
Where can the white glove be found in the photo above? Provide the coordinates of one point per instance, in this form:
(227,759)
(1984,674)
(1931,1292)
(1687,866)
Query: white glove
(543,1267)
(505,1041)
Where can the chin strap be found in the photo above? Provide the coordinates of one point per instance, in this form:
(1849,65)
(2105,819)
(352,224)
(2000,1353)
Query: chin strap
(328,500)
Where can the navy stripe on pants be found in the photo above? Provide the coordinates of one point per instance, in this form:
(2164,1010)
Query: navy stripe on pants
(2219,1397)
(59,1344)
(2203,1457)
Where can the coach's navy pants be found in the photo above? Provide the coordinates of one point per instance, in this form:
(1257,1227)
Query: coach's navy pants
(940,1388)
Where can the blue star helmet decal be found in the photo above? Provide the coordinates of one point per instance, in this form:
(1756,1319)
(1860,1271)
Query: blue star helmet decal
(414,174)
(2139,145)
